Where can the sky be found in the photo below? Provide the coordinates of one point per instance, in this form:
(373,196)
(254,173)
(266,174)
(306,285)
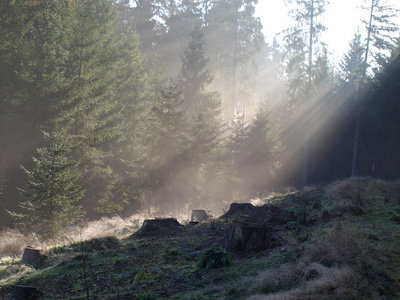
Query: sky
(342,19)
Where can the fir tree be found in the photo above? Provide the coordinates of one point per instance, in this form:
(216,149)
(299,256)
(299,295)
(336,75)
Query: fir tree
(52,193)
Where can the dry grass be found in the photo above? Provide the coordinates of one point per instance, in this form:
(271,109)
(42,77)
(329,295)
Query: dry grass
(14,241)
(339,265)
(351,189)
(329,283)
(342,245)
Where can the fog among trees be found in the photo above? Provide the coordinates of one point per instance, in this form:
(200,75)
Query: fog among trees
(114,107)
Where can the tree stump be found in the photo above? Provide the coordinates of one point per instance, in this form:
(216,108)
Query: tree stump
(273,214)
(248,237)
(198,215)
(33,257)
(158,226)
(21,292)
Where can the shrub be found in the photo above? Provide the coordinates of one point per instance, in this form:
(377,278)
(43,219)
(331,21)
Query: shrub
(215,257)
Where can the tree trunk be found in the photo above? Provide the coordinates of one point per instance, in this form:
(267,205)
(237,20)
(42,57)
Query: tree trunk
(361,86)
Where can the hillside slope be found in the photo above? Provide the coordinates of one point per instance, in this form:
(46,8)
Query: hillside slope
(341,241)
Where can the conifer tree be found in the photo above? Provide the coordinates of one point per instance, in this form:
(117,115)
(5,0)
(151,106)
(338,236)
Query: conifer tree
(380,38)
(90,110)
(167,131)
(260,156)
(203,110)
(302,43)
(235,39)
(52,193)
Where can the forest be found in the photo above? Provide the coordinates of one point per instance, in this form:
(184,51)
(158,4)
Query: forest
(110,107)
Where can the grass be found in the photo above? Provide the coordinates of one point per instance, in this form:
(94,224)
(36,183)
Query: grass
(343,242)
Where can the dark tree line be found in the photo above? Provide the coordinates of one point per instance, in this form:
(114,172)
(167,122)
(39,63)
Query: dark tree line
(171,103)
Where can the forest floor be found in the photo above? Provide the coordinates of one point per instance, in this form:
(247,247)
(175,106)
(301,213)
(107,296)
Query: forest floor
(341,241)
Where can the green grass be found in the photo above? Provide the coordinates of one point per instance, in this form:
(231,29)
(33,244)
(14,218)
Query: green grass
(355,254)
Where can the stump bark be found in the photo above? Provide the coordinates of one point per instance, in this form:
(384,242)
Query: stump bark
(248,237)
(21,292)
(246,212)
(198,215)
(158,226)
(243,208)
(33,257)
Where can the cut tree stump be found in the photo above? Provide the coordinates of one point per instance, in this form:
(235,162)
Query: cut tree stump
(33,257)
(158,226)
(247,212)
(198,215)
(248,237)
(240,208)
(21,292)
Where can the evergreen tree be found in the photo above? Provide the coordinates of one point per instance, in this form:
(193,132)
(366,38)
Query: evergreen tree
(130,149)
(303,43)
(32,78)
(179,18)
(235,38)
(237,149)
(352,63)
(380,38)
(195,76)
(204,110)
(259,159)
(168,131)
(52,193)
(90,110)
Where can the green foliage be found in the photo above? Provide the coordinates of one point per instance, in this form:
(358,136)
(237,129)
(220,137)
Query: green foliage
(255,150)
(214,257)
(52,194)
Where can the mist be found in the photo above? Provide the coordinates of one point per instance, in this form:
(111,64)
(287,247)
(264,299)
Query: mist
(180,105)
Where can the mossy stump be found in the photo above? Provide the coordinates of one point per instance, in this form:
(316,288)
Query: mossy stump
(33,257)
(158,226)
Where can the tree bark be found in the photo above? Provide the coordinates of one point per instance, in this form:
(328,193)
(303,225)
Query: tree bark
(33,257)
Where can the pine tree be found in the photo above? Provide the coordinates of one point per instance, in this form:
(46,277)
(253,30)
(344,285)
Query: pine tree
(52,193)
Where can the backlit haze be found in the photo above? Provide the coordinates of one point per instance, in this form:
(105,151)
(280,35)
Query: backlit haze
(342,18)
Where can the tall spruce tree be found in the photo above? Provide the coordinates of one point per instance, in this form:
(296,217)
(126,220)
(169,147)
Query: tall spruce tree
(302,43)
(380,39)
(259,159)
(168,131)
(32,78)
(52,193)
(204,111)
(90,109)
(130,149)
(235,38)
